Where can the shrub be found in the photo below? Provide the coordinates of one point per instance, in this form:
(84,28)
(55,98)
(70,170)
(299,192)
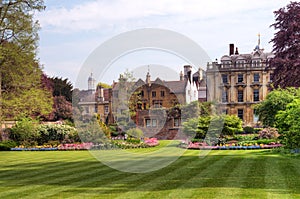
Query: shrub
(25,131)
(248,129)
(7,145)
(135,132)
(57,132)
(268,133)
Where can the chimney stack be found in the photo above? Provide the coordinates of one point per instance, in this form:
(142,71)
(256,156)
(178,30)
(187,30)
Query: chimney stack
(231,49)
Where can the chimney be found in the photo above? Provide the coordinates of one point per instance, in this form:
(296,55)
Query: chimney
(236,51)
(181,76)
(231,49)
(187,72)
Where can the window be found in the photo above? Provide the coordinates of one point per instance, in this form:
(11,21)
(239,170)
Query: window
(162,93)
(145,106)
(256,95)
(256,63)
(151,122)
(225,111)
(154,123)
(153,93)
(142,93)
(224,96)
(256,77)
(241,114)
(176,122)
(255,116)
(240,78)
(157,103)
(240,96)
(148,123)
(106,109)
(224,78)
(240,63)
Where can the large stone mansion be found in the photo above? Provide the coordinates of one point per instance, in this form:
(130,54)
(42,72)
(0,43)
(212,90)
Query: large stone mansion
(235,84)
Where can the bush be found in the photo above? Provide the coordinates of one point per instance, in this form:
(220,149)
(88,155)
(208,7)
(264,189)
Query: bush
(25,131)
(57,132)
(135,132)
(248,129)
(268,133)
(7,145)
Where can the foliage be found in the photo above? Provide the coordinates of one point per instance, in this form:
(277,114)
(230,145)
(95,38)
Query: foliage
(105,129)
(90,131)
(288,124)
(217,125)
(286,46)
(25,131)
(232,124)
(62,109)
(135,132)
(125,99)
(18,44)
(7,145)
(62,87)
(103,85)
(248,129)
(57,132)
(274,102)
(195,109)
(268,133)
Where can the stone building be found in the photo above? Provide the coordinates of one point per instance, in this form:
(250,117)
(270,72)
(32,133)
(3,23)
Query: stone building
(239,82)
(153,101)
(86,98)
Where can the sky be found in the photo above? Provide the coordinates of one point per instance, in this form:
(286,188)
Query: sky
(72,29)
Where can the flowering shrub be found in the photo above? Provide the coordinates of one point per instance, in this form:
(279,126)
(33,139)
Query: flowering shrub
(268,133)
(81,146)
(151,142)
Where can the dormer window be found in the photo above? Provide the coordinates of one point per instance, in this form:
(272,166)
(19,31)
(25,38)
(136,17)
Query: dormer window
(256,63)
(240,63)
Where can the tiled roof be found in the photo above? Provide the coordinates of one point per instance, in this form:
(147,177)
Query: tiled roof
(176,86)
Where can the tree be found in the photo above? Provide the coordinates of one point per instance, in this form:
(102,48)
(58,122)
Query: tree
(275,101)
(62,87)
(19,69)
(286,46)
(199,127)
(287,122)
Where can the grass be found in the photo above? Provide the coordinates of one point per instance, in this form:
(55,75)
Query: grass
(220,174)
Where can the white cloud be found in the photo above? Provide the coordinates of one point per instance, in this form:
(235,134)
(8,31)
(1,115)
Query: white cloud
(70,33)
(99,14)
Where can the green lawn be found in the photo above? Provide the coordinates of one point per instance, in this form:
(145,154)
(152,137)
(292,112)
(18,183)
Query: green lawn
(220,174)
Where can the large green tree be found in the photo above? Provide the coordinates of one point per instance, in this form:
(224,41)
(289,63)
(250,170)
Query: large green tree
(286,46)
(275,101)
(287,122)
(20,75)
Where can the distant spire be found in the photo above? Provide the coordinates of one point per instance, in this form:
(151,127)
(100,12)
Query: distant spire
(257,48)
(148,80)
(258,39)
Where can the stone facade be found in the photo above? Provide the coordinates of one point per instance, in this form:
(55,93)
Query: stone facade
(153,102)
(239,82)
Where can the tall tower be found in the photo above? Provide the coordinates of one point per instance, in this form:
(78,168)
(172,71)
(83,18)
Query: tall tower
(91,83)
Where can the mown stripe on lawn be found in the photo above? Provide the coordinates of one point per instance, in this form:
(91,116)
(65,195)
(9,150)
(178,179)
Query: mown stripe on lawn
(276,186)
(47,176)
(213,176)
(173,176)
(129,182)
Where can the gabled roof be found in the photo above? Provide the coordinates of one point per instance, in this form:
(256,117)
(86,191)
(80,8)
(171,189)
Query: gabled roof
(176,86)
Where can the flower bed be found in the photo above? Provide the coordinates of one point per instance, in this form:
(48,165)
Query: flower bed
(204,146)
(150,142)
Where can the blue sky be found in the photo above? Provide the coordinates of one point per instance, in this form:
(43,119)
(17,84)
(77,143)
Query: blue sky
(72,29)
